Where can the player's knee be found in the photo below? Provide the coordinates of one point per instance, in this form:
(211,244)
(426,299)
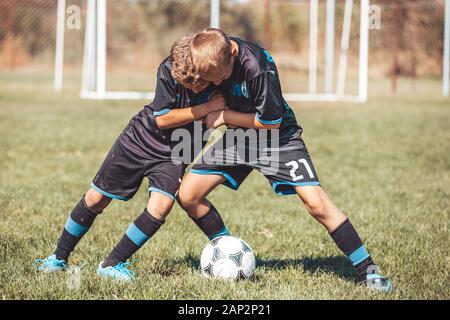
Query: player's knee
(160,208)
(317,208)
(188,199)
(96,201)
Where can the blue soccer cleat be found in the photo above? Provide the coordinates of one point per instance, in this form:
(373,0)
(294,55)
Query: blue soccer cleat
(378,282)
(50,264)
(117,272)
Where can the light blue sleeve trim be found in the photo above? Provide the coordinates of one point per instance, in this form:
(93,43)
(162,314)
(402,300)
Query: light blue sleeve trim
(107,194)
(161,112)
(153,189)
(234,184)
(74,228)
(277,121)
(359,255)
(136,235)
(294,184)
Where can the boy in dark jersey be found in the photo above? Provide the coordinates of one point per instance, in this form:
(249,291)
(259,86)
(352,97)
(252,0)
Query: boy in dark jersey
(143,149)
(246,73)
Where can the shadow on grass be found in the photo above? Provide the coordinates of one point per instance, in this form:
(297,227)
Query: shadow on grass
(338,265)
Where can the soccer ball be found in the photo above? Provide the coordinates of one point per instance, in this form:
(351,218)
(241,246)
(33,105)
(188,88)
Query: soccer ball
(227,258)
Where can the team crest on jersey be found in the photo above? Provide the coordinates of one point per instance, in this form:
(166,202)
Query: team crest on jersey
(244,89)
(241,90)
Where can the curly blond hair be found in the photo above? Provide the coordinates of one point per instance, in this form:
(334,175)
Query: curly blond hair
(183,69)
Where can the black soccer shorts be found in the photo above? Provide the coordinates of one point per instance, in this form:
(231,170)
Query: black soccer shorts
(285,167)
(122,172)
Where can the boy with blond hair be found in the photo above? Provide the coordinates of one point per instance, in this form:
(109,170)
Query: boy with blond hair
(247,75)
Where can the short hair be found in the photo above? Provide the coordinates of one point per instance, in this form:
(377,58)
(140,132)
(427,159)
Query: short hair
(210,49)
(183,69)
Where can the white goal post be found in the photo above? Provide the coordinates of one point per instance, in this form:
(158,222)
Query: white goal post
(94,71)
(446,55)
(93,84)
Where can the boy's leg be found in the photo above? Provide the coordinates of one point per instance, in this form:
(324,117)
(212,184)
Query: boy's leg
(296,174)
(193,192)
(196,186)
(192,198)
(80,220)
(164,178)
(141,230)
(321,207)
(343,233)
(119,177)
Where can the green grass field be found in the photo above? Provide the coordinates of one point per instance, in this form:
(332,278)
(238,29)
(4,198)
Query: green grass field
(385,163)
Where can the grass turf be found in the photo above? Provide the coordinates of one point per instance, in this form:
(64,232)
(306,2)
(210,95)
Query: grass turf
(385,163)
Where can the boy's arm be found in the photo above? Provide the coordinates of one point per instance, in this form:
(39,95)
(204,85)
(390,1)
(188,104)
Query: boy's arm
(166,97)
(245,120)
(265,91)
(179,117)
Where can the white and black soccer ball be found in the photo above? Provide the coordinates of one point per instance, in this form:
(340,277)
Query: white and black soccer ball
(227,258)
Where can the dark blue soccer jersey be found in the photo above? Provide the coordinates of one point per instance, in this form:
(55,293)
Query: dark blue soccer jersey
(254,86)
(142,135)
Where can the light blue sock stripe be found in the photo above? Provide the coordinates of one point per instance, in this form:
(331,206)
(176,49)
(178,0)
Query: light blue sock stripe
(74,228)
(136,235)
(223,232)
(359,255)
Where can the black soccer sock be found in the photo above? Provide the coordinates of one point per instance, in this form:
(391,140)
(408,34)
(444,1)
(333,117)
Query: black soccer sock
(78,223)
(212,224)
(348,240)
(137,234)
